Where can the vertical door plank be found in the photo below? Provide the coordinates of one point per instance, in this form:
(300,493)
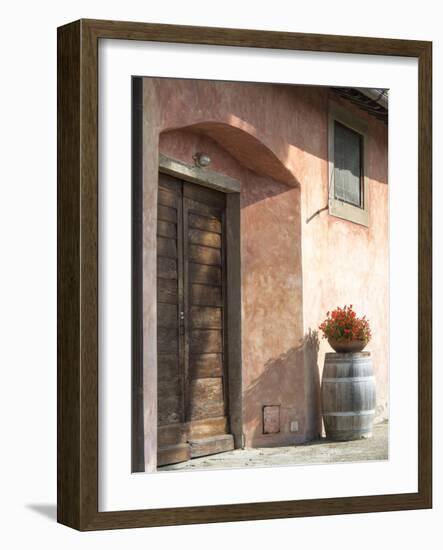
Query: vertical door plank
(203,213)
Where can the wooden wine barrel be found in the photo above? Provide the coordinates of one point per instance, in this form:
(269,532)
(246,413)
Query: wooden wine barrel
(348,396)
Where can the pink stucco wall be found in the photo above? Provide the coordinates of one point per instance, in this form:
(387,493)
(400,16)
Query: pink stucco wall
(273,139)
(347,263)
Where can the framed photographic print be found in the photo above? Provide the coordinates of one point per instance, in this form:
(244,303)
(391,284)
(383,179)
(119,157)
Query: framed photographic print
(244,275)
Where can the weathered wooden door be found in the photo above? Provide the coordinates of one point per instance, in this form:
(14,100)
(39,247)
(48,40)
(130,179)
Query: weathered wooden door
(191,343)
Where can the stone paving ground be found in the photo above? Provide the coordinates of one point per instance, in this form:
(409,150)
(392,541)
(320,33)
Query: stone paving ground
(317,452)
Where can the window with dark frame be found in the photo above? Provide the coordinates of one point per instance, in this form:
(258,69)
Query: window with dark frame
(348,165)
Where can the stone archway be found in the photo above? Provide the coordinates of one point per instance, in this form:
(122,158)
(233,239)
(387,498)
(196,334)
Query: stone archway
(242,144)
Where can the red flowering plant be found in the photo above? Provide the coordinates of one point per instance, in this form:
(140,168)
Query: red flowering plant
(342,324)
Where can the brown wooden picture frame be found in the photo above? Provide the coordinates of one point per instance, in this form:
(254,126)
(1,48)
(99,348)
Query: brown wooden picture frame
(77,456)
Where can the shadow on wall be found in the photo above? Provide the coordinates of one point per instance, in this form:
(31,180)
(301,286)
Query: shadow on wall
(291,380)
(313,384)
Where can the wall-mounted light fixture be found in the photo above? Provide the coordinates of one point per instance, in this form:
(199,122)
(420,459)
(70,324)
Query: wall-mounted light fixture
(201,159)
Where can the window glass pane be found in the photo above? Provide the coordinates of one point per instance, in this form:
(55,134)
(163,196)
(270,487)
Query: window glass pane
(347,165)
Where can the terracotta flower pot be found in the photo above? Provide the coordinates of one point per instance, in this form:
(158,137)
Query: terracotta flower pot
(347,346)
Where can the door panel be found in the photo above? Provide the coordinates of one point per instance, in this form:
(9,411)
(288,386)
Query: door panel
(166,247)
(167,314)
(205,341)
(205,274)
(208,365)
(167,291)
(205,295)
(169,274)
(206,317)
(205,223)
(204,346)
(204,255)
(206,238)
(167,214)
(206,398)
(190,322)
(166,268)
(166,229)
